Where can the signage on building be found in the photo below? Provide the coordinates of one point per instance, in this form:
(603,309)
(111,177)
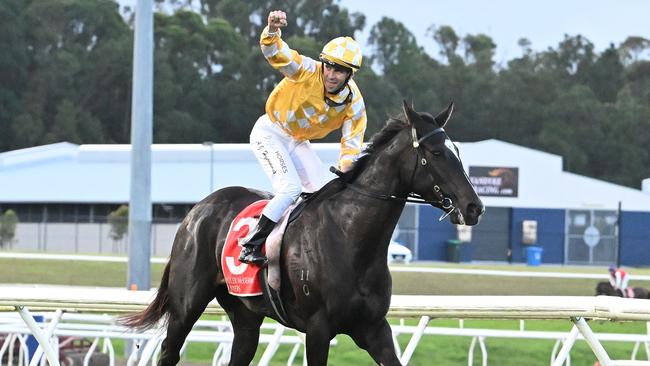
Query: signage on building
(529,232)
(495,181)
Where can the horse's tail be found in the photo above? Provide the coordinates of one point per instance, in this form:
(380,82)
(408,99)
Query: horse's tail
(158,308)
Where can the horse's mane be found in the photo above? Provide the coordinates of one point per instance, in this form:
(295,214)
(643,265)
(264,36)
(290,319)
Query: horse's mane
(393,126)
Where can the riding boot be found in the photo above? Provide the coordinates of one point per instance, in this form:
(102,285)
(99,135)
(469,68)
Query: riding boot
(252,251)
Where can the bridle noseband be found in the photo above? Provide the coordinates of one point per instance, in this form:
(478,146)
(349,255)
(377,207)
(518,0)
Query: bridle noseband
(443,202)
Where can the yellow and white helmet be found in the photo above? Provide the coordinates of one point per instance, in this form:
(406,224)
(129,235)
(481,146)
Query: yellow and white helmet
(343,51)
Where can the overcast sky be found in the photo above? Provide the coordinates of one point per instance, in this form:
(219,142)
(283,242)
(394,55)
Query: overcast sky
(544,23)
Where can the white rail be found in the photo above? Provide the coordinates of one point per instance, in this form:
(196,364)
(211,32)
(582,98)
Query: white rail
(574,308)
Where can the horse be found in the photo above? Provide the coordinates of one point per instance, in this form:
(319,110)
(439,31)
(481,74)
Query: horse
(335,277)
(606,288)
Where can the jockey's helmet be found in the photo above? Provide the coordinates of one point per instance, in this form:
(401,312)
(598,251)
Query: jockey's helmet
(342,51)
(612,269)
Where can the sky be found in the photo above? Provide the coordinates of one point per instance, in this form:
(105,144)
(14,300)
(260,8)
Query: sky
(544,22)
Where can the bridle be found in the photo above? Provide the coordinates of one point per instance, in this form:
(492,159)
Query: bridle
(443,202)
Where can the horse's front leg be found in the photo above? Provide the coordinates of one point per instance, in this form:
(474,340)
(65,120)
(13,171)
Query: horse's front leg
(377,340)
(318,339)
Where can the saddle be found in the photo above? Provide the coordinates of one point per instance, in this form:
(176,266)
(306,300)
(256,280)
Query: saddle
(251,280)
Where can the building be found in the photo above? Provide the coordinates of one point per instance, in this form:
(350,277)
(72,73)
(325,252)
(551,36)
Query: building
(64,192)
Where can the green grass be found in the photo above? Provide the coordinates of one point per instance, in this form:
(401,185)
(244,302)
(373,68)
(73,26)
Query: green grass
(433,350)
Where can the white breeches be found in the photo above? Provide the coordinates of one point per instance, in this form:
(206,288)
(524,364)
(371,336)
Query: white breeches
(618,282)
(624,281)
(289,164)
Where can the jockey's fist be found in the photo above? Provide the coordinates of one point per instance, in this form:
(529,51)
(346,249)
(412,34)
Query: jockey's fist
(277,19)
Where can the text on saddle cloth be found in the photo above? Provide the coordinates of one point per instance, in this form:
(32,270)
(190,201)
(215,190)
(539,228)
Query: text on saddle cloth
(242,279)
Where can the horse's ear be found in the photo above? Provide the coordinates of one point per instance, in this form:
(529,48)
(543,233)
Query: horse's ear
(411,115)
(443,117)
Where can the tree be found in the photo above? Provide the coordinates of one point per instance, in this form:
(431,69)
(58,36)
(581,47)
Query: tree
(8,223)
(447,40)
(606,76)
(632,48)
(119,223)
(479,49)
(13,66)
(404,64)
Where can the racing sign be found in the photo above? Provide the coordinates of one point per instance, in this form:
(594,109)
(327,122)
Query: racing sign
(495,181)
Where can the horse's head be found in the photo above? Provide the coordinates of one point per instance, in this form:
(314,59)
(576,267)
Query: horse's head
(438,174)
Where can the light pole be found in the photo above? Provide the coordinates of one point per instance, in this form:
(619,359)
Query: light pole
(210,144)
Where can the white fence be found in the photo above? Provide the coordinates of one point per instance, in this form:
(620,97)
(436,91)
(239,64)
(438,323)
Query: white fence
(103,330)
(424,308)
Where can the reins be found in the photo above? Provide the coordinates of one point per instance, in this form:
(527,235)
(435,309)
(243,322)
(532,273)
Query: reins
(443,202)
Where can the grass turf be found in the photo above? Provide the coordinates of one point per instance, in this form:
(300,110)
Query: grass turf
(433,350)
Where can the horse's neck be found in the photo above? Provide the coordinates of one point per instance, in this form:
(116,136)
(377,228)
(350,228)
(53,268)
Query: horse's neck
(383,173)
(381,177)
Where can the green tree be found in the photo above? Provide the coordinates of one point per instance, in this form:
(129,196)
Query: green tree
(8,223)
(119,223)
(632,48)
(447,40)
(321,20)
(606,76)
(13,66)
(404,65)
(479,49)
(79,54)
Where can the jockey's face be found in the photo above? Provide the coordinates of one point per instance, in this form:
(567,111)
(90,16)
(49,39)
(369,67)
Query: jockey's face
(334,77)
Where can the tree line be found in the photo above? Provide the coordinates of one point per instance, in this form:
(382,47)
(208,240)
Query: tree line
(65,75)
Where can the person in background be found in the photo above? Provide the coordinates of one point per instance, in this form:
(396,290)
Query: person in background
(314,99)
(618,278)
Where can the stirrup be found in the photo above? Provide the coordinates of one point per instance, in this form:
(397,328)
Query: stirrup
(252,256)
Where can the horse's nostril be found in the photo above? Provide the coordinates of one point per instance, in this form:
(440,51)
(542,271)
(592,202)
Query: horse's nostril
(474,210)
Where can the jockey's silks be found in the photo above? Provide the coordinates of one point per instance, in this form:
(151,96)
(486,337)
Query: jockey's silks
(298,106)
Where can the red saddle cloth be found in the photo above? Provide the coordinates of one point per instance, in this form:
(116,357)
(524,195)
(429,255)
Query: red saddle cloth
(241,278)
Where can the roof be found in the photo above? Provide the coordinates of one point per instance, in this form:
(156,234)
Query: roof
(69,173)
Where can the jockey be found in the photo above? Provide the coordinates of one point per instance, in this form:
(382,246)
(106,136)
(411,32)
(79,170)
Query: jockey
(618,278)
(314,99)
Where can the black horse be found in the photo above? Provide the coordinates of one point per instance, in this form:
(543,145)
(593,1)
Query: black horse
(606,288)
(333,260)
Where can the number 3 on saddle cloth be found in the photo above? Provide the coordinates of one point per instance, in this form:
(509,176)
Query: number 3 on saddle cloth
(242,279)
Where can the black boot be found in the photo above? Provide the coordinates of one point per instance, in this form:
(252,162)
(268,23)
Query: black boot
(252,251)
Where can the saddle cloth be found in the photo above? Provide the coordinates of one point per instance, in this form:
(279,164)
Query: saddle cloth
(242,279)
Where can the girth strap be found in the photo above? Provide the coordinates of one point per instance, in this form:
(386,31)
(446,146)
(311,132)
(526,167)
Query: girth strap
(273,298)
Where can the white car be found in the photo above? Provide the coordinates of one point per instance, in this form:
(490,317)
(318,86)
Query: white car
(398,253)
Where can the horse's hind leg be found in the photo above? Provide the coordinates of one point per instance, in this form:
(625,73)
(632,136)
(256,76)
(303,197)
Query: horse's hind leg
(185,311)
(246,327)
(377,340)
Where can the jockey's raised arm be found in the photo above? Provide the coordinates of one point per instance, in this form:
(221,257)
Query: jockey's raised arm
(314,99)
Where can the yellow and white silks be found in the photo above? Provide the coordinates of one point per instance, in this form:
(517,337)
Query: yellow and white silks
(296,112)
(298,104)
